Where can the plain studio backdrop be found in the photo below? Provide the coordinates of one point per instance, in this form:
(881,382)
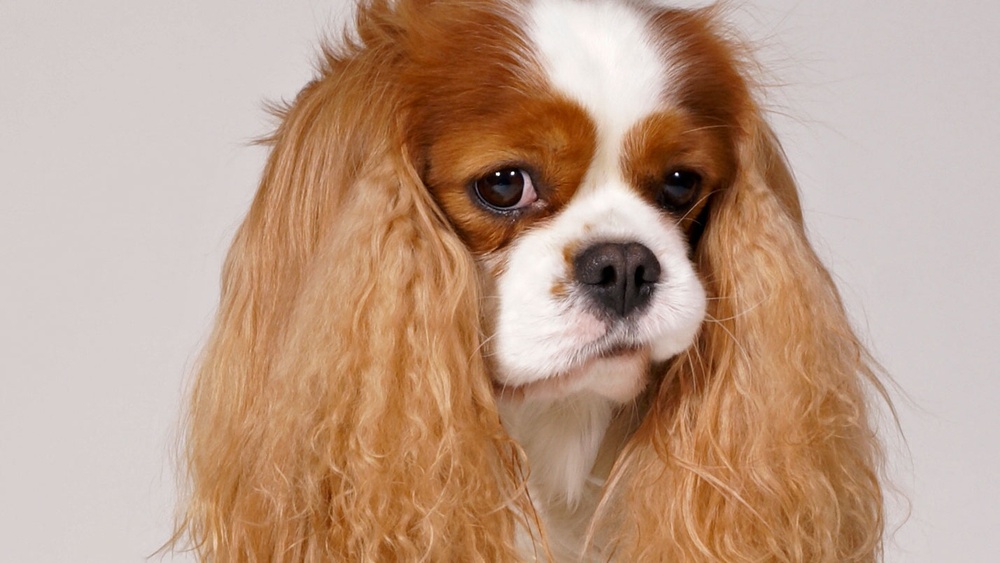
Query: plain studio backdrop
(126,166)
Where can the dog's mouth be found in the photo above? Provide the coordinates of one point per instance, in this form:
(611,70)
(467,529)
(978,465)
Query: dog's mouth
(617,372)
(619,349)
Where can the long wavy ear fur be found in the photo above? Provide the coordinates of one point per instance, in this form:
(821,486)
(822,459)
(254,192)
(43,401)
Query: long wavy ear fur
(758,445)
(342,411)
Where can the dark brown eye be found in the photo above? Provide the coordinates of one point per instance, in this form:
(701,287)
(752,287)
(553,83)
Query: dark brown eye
(507,188)
(679,189)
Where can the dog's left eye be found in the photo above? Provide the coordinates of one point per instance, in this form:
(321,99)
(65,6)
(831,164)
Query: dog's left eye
(506,189)
(679,189)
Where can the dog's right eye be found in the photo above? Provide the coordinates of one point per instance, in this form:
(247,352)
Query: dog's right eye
(506,189)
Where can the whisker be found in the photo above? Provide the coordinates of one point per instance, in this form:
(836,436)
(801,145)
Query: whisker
(708,128)
(701,200)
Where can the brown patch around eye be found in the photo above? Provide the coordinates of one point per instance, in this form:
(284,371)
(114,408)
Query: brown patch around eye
(472,105)
(693,142)
(671,149)
(548,137)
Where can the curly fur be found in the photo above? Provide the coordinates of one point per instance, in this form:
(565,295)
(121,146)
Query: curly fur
(343,410)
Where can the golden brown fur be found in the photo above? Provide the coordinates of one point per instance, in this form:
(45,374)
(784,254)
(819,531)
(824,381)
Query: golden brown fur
(343,411)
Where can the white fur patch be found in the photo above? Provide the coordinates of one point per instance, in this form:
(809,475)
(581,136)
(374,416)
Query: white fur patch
(602,55)
(561,440)
(545,339)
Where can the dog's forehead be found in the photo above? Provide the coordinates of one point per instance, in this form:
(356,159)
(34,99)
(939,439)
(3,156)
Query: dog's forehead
(605,57)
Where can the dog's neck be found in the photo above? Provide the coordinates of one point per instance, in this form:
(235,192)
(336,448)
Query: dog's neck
(571,445)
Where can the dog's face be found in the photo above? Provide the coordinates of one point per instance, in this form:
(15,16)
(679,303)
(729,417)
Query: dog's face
(574,148)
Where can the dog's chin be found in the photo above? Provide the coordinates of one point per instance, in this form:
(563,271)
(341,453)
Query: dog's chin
(618,374)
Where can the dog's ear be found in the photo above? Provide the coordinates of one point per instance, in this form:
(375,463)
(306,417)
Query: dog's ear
(342,411)
(758,445)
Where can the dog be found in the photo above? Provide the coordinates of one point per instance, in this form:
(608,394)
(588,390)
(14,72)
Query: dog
(529,280)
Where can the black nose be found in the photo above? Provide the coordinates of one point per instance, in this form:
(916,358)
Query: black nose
(618,277)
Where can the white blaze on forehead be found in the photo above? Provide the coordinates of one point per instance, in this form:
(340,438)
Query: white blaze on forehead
(602,55)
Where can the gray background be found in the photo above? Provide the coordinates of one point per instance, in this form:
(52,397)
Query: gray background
(125,168)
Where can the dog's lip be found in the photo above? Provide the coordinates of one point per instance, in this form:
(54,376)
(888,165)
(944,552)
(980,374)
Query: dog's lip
(621,350)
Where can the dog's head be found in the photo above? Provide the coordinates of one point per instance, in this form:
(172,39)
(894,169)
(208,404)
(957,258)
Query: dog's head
(575,170)
(523,199)
(573,147)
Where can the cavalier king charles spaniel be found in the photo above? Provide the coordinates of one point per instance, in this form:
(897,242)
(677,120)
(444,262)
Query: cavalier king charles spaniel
(528,280)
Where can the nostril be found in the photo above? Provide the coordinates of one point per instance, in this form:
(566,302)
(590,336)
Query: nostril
(643,262)
(608,276)
(600,265)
